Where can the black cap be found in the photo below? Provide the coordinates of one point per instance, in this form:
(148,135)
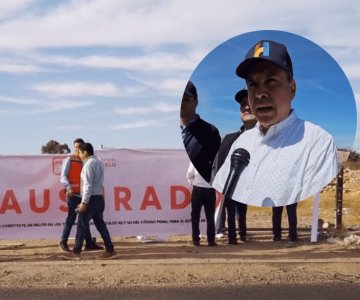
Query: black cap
(266,50)
(190,90)
(240,95)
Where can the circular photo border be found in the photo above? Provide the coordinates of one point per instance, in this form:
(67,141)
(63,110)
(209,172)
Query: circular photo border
(323,96)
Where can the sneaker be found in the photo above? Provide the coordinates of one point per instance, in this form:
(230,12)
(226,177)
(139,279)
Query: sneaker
(292,241)
(232,242)
(76,254)
(108,254)
(244,239)
(196,243)
(212,244)
(277,238)
(64,247)
(93,247)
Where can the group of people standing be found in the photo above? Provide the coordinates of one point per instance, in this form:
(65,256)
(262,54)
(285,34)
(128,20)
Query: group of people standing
(291,159)
(203,142)
(271,133)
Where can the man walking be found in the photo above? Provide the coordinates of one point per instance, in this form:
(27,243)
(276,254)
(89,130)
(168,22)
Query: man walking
(70,178)
(92,204)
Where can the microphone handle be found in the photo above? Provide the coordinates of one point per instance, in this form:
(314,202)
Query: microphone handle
(232,181)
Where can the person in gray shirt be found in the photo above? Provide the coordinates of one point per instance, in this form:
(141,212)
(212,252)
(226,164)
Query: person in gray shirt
(92,204)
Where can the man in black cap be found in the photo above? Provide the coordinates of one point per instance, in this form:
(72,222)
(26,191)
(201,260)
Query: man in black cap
(201,139)
(230,205)
(290,159)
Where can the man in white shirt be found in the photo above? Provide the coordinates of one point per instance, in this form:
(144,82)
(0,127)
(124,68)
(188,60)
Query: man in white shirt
(92,203)
(70,178)
(290,159)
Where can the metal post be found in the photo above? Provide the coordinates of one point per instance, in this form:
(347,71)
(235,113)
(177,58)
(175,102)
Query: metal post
(339,198)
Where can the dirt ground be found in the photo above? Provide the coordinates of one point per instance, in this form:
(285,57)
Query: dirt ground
(327,269)
(36,269)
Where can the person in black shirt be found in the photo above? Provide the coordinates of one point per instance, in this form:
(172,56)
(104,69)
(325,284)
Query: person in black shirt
(230,206)
(201,139)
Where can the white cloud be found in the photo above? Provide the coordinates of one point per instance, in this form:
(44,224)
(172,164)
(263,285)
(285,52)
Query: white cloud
(77,89)
(356,145)
(18,68)
(21,101)
(352,70)
(133,110)
(154,43)
(136,125)
(44,106)
(66,105)
(153,23)
(158,107)
(165,107)
(150,62)
(170,87)
(9,8)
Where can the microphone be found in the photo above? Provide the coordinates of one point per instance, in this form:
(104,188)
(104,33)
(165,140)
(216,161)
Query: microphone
(240,158)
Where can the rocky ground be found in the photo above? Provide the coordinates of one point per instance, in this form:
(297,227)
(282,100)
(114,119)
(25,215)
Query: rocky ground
(36,269)
(328,269)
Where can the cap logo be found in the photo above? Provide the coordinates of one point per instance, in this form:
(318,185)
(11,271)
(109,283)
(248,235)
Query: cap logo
(262,50)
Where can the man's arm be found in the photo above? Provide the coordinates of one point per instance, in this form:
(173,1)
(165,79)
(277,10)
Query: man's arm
(65,168)
(87,177)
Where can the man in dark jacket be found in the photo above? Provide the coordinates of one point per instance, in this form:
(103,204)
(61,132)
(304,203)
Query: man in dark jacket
(201,139)
(230,206)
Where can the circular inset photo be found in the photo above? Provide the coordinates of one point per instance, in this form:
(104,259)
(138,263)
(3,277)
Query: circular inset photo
(263,117)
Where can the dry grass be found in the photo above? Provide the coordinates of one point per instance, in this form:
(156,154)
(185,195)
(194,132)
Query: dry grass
(351,208)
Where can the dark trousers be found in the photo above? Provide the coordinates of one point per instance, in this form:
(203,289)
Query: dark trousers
(72,203)
(203,197)
(94,210)
(292,219)
(231,208)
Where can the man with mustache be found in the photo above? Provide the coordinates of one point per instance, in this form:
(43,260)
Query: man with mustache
(290,159)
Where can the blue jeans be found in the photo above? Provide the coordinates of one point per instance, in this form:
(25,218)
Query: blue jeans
(72,203)
(94,210)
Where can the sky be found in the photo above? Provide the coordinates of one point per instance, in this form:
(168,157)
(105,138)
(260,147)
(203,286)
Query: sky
(321,85)
(113,72)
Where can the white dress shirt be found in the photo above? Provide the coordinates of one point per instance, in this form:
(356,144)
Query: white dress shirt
(92,178)
(195,179)
(294,160)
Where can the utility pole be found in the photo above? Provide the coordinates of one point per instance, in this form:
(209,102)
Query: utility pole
(343,157)
(339,198)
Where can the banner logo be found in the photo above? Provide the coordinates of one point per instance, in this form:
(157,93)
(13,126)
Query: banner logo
(56,165)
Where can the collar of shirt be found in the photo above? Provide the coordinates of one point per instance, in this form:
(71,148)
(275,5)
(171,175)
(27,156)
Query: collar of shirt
(276,129)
